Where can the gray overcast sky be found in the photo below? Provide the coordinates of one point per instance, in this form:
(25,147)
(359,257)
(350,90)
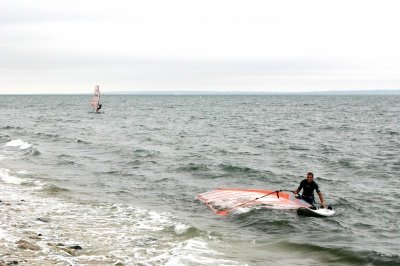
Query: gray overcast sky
(50,46)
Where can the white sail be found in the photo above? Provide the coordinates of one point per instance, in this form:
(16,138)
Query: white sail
(96,98)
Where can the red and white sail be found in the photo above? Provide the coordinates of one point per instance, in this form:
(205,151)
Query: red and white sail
(223,201)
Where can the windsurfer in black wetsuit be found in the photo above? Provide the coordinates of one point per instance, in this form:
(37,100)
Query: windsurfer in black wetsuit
(309,185)
(98,108)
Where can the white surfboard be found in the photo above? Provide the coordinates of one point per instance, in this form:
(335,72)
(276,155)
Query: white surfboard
(320,212)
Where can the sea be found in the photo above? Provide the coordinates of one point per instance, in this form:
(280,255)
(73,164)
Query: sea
(119,187)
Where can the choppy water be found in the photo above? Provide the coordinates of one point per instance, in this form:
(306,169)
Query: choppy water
(122,184)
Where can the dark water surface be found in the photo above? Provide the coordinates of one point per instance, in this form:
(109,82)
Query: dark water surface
(122,184)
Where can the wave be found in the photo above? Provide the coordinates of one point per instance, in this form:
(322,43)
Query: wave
(237,169)
(104,230)
(81,141)
(328,149)
(193,167)
(22,145)
(53,189)
(298,148)
(22,177)
(143,153)
(34,152)
(342,256)
(266,220)
(11,127)
(183,230)
(389,132)
(65,159)
(347,163)
(7,177)
(48,135)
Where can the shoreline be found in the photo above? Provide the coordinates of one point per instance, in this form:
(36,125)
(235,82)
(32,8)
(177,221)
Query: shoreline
(34,241)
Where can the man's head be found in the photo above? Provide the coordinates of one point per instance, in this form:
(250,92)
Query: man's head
(310,177)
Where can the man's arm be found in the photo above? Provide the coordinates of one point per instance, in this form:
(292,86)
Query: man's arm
(321,199)
(299,188)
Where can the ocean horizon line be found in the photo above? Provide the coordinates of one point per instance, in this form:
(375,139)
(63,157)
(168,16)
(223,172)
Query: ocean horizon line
(244,93)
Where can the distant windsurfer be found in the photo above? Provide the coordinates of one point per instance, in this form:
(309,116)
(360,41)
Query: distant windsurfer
(95,102)
(309,185)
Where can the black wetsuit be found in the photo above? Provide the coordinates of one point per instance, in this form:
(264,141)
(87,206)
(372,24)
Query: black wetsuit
(308,190)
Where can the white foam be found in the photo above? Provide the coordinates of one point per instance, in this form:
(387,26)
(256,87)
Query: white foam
(181,228)
(18,143)
(14,143)
(3,234)
(9,178)
(194,252)
(242,210)
(24,172)
(25,146)
(106,232)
